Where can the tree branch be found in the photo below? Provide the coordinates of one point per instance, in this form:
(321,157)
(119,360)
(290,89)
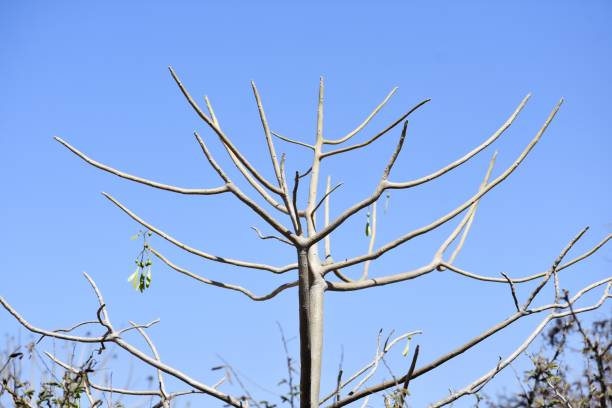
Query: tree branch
(243,197)
(245,173)
(440,221)
(297,142)
(375,137)
(197,252)
(282,183)
(364,123)
(222,284)
(224,139)
(469,155)
(167,187)
(476,340)
(380,188)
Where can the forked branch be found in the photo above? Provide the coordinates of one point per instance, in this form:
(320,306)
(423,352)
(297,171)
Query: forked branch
(224,139)
(197,252)
(364,123)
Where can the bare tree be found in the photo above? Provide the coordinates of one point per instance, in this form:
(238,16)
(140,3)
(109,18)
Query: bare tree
(318,273)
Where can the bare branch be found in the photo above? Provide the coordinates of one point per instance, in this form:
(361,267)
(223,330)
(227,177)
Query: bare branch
(197,252)
(49,333)
(530,277)
(221,284)
(364,203)
(139,326)
(224,139)
(245,173)
(513,291)
(114,338)
(160,377)
(294,199)
(553,269)
(375,137)
(327,242)
(102,388)
(386,348)
(325,197)
(167,187)
(466,223)
(240,195)
(282,183)
(297,142)
(364,123)
(261,236)
(469,155)
(379,281)
(476,340)
(440,221)
(479,383)
(409,375)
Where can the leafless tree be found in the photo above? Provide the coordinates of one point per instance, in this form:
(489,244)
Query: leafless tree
(317,272)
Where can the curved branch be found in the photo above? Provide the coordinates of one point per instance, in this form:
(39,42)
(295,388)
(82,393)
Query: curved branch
(224,139)
(197,252)
(375,137)
(530,277)
(482,381)
(167,187)
(49,333)
(379,281)
(466,223)
(476,340)
(278,169)
(222,284)
(440,221)
(364,123)
(116,339)
(380,353)
(102,388)
(297,142)
(160,378)
(245,173)
(469,155)
(380,188)
(326,196)
(243,197)
(264,237)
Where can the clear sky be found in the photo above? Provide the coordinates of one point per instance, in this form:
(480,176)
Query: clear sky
(96,75)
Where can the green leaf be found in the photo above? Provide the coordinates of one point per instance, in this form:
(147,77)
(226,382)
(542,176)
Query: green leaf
(134,275)
(134,237)
(407,348)
(135,282)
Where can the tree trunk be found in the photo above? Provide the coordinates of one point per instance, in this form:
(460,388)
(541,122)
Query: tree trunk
(311,289)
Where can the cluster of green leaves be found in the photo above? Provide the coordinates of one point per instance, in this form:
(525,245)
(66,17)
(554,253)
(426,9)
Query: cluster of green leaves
(141,277)
(63,392)
(396,398)
(46,388)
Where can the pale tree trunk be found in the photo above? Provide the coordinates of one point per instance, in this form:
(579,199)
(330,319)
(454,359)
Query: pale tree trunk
(311,290)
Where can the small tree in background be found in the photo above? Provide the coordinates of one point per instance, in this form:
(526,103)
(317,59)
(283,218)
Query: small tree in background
(551,382)
(315,271)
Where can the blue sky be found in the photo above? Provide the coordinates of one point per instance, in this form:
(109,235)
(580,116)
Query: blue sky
(96,75)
